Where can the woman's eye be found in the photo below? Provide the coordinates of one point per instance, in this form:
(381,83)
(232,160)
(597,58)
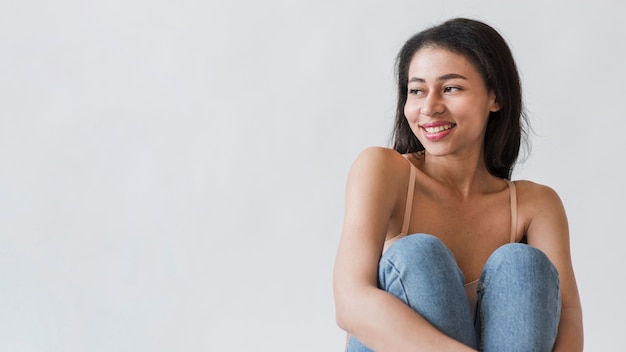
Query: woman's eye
(415,91)
(451,89)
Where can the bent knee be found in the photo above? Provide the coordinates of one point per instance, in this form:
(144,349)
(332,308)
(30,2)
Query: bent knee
(418,249)
(521,258)
(518,253)
(416,243)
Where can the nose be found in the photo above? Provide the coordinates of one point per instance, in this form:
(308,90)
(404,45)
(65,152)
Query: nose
(432,105)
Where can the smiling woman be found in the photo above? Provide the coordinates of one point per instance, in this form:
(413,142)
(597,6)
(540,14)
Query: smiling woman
(440,81)
(440,250)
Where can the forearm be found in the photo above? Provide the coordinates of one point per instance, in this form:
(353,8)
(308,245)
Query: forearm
(384,323)
(570,335)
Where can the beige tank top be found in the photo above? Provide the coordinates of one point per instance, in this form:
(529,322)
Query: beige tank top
(470,287)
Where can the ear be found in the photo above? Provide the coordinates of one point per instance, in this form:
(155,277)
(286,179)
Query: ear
(494,105)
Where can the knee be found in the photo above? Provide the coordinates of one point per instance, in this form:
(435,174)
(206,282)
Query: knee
(518,294)
(518,254)
(416,248)
(419,265)
(520,261)
(419,252)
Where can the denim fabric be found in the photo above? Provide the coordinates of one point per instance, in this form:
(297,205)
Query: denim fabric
(518,306)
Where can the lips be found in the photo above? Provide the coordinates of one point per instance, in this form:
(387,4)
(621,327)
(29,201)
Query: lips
(437,130)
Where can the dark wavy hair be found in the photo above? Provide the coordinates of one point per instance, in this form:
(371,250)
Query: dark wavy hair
(485,48)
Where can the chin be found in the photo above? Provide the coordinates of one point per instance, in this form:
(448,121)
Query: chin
(437,151)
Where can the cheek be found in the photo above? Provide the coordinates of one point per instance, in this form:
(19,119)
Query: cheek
(410,111)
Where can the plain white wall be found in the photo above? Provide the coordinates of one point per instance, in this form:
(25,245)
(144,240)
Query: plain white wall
(172,172)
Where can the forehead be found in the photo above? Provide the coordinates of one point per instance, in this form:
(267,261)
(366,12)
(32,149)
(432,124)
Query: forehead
(433,62)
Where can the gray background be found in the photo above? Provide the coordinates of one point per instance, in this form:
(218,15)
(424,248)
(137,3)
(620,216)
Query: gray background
(172,172)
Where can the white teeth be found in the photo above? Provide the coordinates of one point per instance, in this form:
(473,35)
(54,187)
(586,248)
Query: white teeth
(437,129)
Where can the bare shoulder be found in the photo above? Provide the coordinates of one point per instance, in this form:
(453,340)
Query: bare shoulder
(542,212)
(380,156)
(376,182)
(536,196)
(378,163)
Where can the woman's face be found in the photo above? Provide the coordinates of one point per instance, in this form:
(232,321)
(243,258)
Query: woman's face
(448,103)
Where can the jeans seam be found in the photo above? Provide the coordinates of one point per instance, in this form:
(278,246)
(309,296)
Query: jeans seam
(405,297)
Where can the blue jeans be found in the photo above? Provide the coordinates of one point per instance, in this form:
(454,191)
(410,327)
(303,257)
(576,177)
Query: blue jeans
(519,303)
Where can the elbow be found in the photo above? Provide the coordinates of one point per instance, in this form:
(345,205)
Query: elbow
(350,298)
(342,308)
(342,319)
(345,316)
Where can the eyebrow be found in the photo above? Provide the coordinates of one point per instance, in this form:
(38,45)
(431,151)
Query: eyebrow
(441,78)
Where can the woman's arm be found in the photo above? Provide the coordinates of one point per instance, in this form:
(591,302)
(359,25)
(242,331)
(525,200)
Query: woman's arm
(548,231)
(376,318)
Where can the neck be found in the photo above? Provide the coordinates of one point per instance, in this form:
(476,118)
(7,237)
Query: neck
(462,173)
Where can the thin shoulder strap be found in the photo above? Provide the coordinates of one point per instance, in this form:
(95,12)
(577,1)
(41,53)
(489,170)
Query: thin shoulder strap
(513,198)
(409,200)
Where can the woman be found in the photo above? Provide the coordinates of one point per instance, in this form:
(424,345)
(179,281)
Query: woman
(430,255)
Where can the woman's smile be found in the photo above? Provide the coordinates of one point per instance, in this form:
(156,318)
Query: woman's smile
(437,130)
